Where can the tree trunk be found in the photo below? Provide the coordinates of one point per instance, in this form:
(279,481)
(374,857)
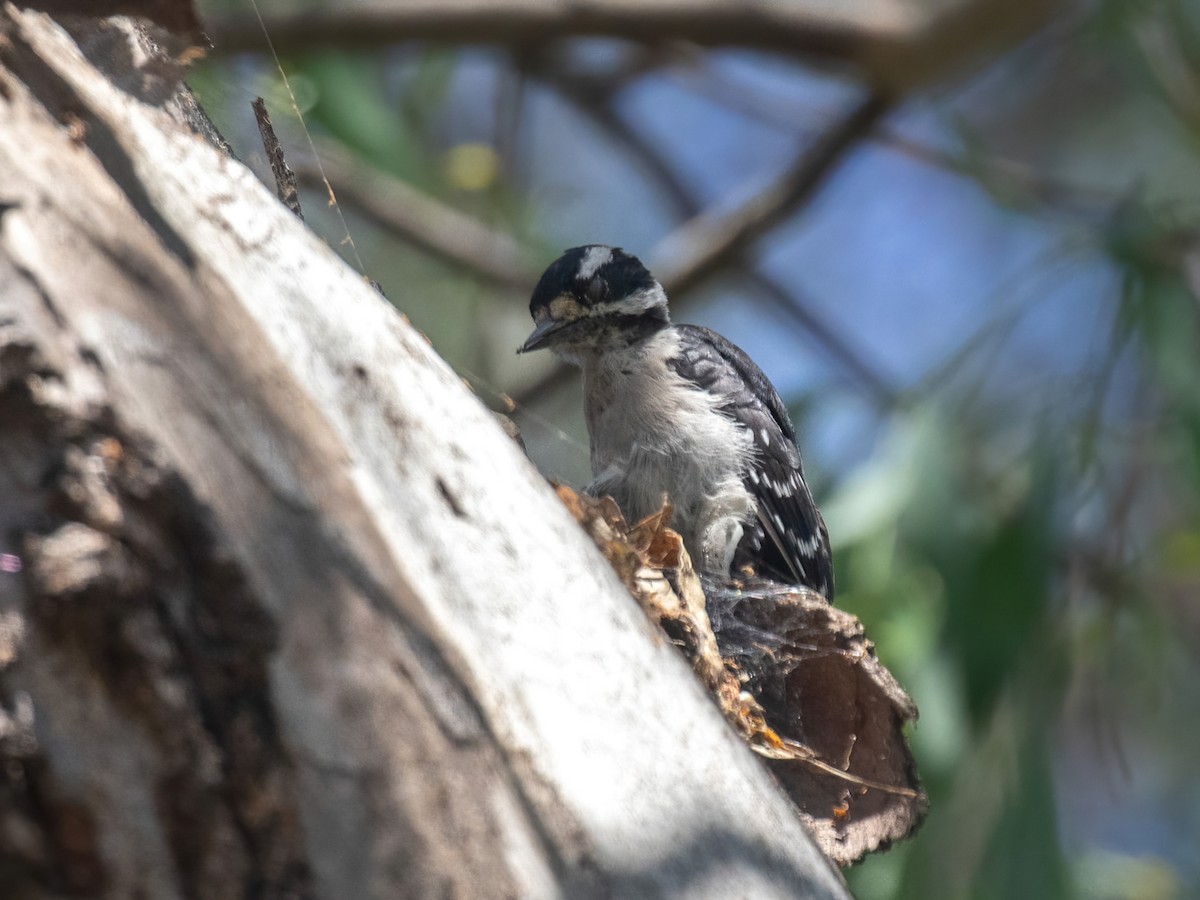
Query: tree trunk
(282,611)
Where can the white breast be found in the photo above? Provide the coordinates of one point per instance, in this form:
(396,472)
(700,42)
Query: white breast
(653,434)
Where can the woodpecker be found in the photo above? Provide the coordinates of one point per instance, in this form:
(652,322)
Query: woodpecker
(677,410)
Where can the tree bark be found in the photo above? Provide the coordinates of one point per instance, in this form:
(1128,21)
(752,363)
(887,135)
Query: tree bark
(294,617)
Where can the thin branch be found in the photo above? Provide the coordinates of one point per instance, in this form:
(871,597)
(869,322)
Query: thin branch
(847,31)
(896,46)
(699,247)
(593,96)
(437,228)
(285,178)
(1004,176)
(510,108)
(1010,178)
(791,305)
(1158,39)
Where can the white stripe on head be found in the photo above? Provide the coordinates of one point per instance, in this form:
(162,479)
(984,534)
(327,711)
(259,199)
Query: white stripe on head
(639,302)
(591,261)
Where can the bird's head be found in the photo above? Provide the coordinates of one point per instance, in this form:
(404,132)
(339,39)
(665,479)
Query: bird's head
(593,298)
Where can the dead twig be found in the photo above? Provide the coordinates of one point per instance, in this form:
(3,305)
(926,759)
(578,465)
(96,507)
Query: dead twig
(285,178)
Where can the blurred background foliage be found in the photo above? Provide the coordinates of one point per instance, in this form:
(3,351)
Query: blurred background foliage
(984,318)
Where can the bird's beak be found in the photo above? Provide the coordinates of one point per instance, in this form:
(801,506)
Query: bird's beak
(542,334)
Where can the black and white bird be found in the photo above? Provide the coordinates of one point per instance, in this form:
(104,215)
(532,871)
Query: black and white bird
(678,410)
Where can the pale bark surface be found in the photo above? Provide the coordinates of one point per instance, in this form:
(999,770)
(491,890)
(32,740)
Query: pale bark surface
(295,617)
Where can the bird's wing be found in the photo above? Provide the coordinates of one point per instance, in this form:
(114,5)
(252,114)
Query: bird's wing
(790,540)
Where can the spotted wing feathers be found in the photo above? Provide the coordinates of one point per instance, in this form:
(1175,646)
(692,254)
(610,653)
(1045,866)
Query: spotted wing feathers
(788,541)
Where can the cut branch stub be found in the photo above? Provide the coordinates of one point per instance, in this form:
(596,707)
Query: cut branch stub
(793,674)
(822,688)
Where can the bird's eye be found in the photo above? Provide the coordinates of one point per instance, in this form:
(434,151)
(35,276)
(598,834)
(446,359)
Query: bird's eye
(597,290)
